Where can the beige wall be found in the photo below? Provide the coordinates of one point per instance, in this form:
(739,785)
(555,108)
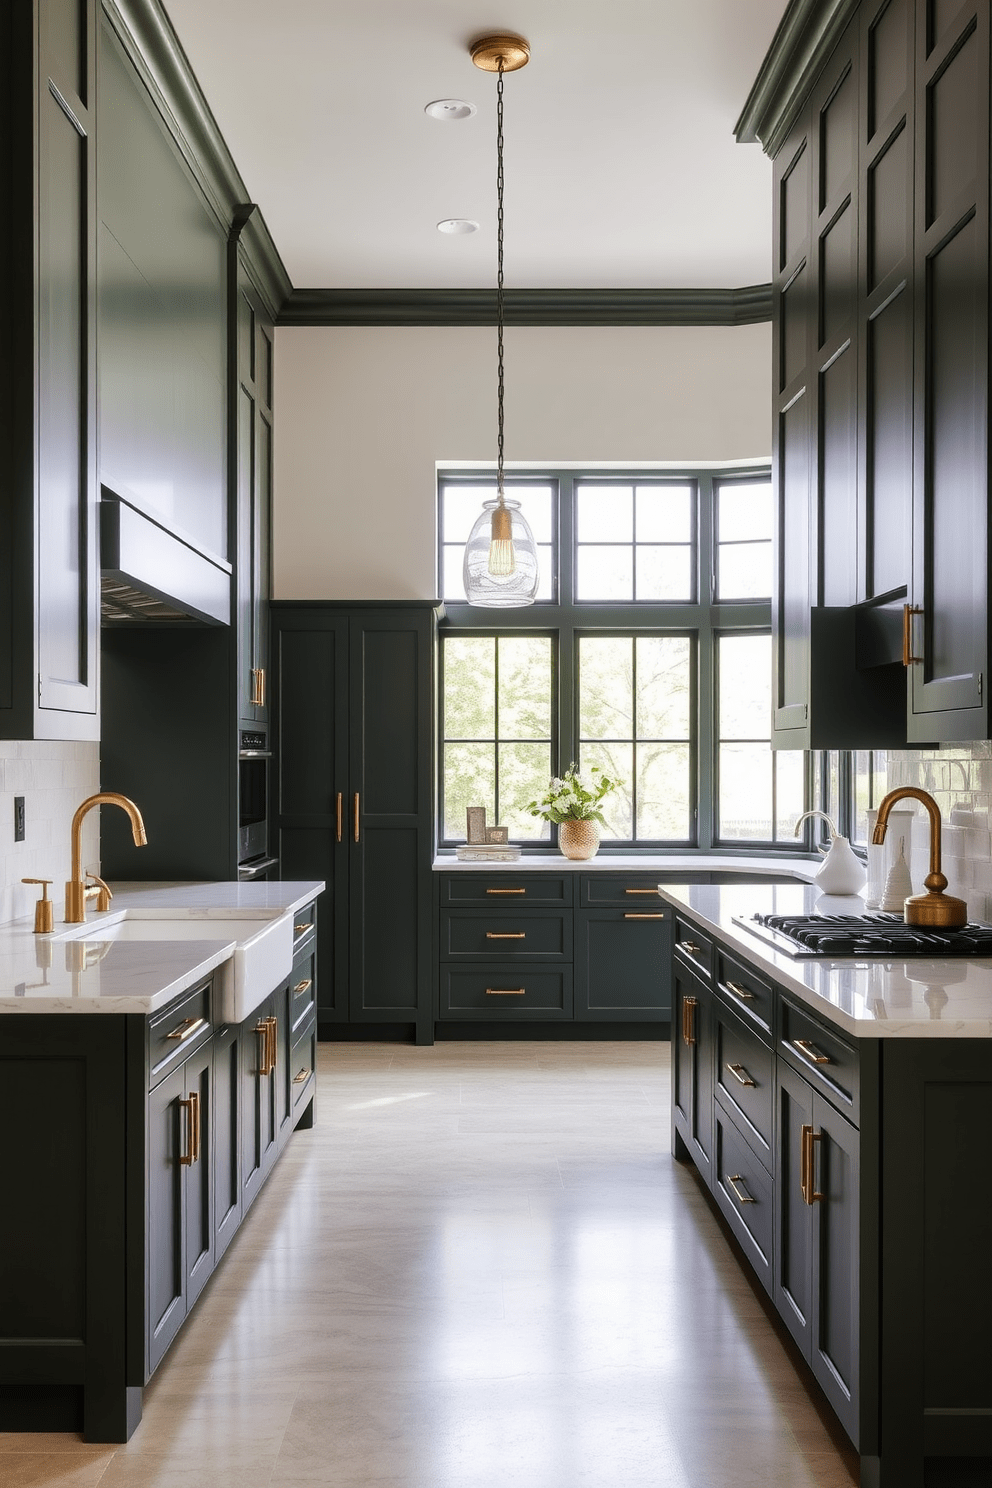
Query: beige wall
(365,415)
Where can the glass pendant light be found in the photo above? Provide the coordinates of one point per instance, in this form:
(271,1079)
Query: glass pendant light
(500,568)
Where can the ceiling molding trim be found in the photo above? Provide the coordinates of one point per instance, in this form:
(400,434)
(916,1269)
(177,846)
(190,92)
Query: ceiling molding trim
(807,34)
(528,307)
(154,50)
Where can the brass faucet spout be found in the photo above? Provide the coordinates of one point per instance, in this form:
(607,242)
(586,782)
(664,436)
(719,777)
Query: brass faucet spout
(75,892)
(934,908)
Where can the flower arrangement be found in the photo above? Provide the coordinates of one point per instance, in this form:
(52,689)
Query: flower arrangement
(568,799)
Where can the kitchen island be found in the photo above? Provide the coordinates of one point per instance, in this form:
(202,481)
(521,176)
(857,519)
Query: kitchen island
(144,1122)
(838,1110)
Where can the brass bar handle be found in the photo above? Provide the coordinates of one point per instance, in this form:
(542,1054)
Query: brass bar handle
(302,1077)
(810,1052)
(736,990)
(262,1032)
(506,891)
(261,687)
(908,611)
(630,915)
(804,1152)
(815,1196)
(689,1008)
(340,815)
(194,1116)
(299,929)
(690,947)
(274,1042)
(505,991)
(741,1075)
(641,891)
(302,987)
(186,1029)
(186,1158)
(741,1195)
(506,934)
(356,811)
(253,700)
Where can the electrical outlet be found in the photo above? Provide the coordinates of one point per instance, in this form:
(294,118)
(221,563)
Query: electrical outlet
(18,818)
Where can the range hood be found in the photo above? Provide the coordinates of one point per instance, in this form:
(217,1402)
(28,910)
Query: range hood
(149,575)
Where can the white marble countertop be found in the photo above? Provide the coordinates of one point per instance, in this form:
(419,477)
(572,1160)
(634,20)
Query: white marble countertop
(44,974)
(912,997)
(783,866)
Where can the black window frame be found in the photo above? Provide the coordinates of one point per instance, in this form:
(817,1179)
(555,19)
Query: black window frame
(567,620)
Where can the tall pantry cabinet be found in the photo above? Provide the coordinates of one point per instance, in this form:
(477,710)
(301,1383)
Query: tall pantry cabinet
(352,702)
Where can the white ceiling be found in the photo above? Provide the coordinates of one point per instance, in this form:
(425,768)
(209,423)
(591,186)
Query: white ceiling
(621,166)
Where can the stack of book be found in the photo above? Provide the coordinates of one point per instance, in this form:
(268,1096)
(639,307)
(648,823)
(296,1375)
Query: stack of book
(483,852)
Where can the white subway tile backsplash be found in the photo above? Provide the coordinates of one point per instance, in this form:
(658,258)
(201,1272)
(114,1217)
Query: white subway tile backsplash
(53,777)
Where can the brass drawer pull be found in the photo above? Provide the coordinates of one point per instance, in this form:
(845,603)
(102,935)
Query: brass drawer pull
(302,1077)
(690,947)
(505,991)
(506,934)
(267,1031)
(811,1052)
(689,1020)
(357,808)
(186,1029)
(299,929)
(741,1195)
(273,1042)
(629,915)
(641,891)
(736,990)
(302,987)
(339,816)
(807,1163)
(506,891)
(192,1108)
(740,1074)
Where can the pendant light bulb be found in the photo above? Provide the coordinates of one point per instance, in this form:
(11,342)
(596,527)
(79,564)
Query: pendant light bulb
(502,562)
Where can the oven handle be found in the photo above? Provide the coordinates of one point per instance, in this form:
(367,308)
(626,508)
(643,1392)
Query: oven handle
(247,871)
(254,754)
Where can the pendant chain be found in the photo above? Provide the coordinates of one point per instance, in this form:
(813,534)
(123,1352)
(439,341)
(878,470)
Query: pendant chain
(499,284)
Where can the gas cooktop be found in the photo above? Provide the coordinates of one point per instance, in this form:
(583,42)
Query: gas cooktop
(884,935)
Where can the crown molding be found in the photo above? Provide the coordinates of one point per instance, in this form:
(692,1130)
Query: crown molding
(807,34)
(152,47)
(527,307)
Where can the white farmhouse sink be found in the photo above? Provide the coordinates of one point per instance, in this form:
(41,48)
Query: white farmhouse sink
(262,957)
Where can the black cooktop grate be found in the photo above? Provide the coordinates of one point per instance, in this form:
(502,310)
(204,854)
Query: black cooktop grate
(873,935)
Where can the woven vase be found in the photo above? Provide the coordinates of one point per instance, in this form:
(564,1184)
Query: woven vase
(578,839)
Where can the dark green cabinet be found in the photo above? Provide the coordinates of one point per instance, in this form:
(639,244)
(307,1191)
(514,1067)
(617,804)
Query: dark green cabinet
(817,1230)
(353,697)
(225,1133)
(692,1068)
(880,299)
(49,580)
(252,380)
(180,1197)
(621,964)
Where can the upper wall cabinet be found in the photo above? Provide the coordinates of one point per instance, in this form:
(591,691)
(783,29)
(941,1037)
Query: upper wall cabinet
(163,321)
(881,382)
(49,597)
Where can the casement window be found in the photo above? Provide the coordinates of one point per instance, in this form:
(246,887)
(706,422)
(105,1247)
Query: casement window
(647,653)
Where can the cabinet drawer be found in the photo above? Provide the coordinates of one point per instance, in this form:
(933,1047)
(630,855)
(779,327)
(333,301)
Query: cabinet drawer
(745,1193)
(633,890)
(522,936)
(506,993)
(304,921)
(745,1080)
(826,1061)
(745,991)
(696,947)
(302,985)
(509,889)
(303,1062)
(183,1026)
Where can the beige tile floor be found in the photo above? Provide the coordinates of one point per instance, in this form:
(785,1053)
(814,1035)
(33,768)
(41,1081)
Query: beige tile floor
(480,1269)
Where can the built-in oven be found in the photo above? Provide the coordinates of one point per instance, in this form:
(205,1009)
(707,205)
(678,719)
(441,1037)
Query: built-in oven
(254,858)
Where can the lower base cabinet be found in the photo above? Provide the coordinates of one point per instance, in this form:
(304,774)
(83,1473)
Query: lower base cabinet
(135,1171)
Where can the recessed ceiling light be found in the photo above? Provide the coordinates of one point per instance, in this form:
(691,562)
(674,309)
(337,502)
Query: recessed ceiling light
(457,226)
(450,108)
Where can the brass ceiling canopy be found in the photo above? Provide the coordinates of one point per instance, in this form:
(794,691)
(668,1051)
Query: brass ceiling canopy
(488,51)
